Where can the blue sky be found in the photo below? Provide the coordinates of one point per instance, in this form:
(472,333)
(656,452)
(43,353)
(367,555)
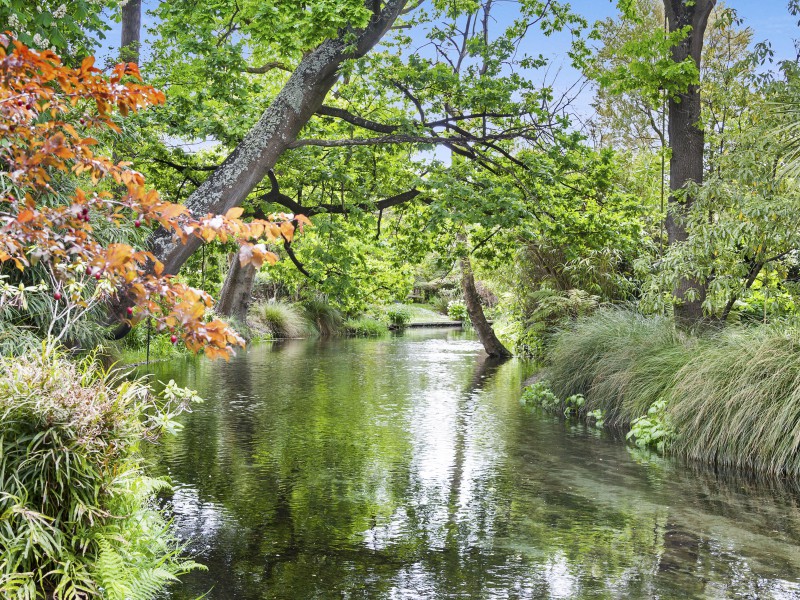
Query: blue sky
(769,19)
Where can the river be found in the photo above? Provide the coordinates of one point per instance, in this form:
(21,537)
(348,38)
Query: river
(406,467)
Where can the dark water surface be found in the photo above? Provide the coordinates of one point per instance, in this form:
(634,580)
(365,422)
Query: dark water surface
(406,468)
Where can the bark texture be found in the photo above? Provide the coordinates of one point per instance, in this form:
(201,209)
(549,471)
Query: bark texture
(131,31)
(234,299)
(686,141)
(492,345)
(277,128)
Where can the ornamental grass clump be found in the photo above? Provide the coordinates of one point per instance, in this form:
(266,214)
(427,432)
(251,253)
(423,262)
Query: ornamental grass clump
(729,398)
(737,401)
(76,514)
(279,320)
(620,361)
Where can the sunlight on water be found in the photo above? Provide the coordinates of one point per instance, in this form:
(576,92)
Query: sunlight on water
(407,468)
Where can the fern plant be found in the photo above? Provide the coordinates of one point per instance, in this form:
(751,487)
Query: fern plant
(76,518)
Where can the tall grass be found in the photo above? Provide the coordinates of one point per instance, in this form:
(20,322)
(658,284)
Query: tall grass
(619,360)
(732,396)
(76,513)
(365,327)
(326,319)
(737,402)
(279,320)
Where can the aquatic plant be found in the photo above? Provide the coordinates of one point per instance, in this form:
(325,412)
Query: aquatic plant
(653,429)
(76,512)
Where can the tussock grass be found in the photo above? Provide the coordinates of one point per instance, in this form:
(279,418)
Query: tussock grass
(326,319)
(619,360)
(279,320)
(737,402)
(733,396)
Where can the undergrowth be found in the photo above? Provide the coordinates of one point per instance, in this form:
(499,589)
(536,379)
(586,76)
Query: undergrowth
(365,327)
(279,320)
(76,517)
(729,398)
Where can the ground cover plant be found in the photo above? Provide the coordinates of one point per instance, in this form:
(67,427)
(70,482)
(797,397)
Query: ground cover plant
(76,512)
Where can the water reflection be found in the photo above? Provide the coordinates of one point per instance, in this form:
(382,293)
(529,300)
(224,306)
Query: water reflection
(406,468)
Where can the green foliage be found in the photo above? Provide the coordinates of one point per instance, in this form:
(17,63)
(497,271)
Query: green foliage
(619,360)
(69,26)
(652,429)
(457,310)
(573,405)
(399,316)
(365,327)
(279,320)
(539,394)
(76,518)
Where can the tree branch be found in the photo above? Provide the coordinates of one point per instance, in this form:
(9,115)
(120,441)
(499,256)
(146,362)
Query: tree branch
(267,67)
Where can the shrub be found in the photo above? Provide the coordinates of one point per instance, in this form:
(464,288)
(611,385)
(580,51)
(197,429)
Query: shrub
(399,316)
(457,310)
(365,327)
(326,319)
(279,320)
(76,518)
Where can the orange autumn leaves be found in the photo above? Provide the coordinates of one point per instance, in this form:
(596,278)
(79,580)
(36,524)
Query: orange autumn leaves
(46,112)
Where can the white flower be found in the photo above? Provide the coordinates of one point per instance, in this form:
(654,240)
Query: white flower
(60,12)
(13,21)
(40,41)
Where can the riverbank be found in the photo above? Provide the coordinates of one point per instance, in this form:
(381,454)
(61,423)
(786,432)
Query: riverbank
(730,398)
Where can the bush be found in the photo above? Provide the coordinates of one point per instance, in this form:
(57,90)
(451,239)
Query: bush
(457,310)
(76,518)
(399,316)
(365,327)
(279,320)
(729,398)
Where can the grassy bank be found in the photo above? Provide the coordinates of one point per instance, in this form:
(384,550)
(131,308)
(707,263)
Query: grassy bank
(731,398)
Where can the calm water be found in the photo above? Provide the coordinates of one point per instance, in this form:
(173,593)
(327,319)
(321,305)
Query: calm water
(407,468)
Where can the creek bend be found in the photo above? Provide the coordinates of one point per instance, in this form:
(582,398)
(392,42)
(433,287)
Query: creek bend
(405,467)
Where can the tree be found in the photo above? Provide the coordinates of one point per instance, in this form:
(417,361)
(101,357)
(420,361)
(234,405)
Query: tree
(687,143)
(56,195)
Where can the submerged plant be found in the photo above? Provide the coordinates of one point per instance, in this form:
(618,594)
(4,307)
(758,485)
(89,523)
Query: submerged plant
(76,517)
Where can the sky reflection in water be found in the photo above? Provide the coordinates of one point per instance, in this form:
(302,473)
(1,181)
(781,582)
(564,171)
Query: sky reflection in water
(406,468)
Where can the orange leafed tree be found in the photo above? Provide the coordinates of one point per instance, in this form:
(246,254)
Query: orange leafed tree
(47,115)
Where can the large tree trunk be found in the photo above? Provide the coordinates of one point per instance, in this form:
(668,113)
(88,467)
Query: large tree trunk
(234,299)
(686,141)
(278,126)
(486,335)
(131,31)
